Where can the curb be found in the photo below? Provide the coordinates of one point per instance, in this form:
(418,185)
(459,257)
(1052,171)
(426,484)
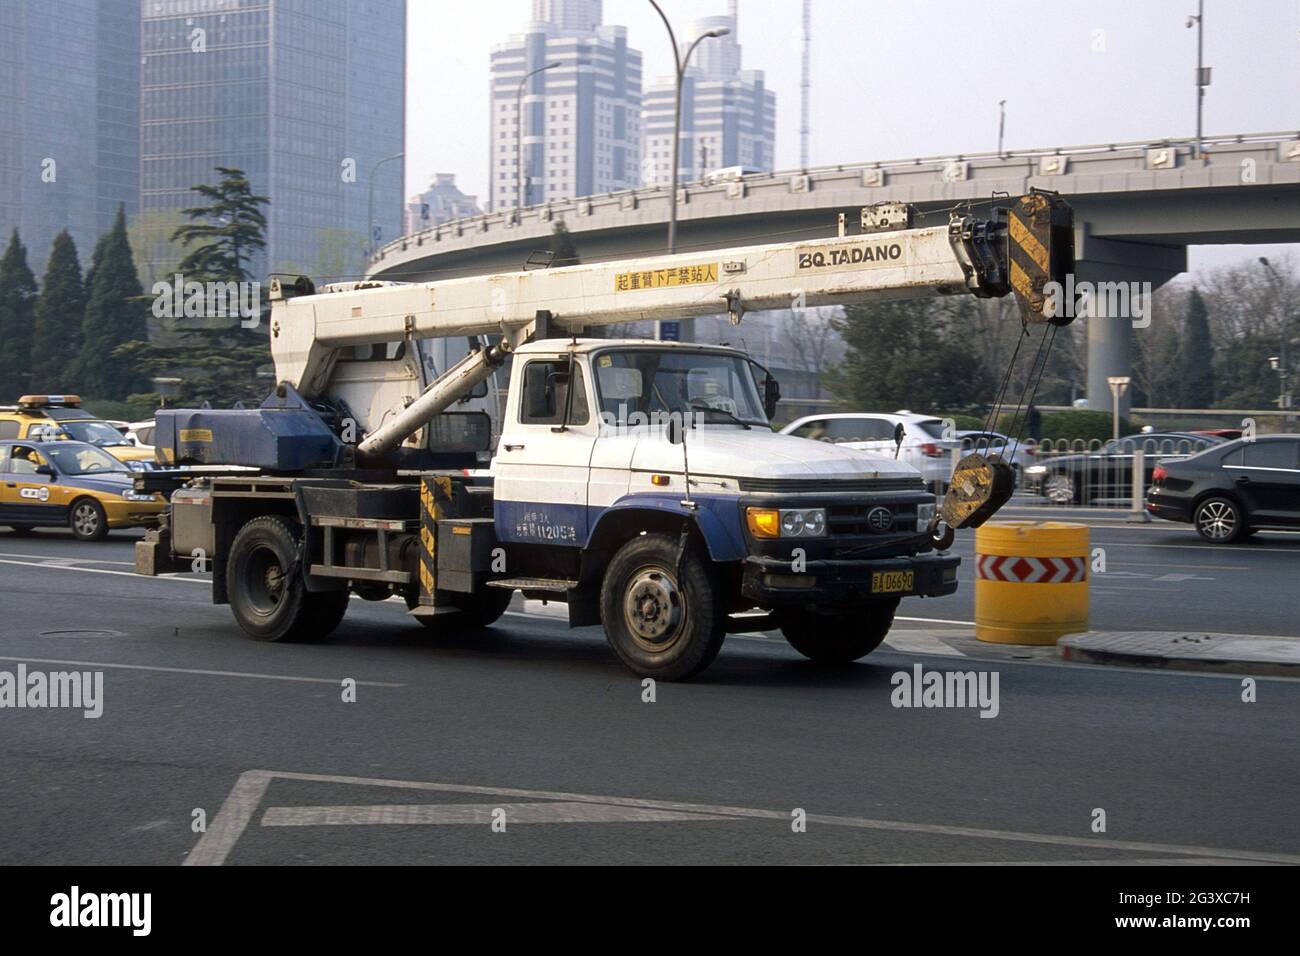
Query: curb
(1246,654)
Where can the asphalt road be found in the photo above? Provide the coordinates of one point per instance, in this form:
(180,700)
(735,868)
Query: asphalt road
(538,726)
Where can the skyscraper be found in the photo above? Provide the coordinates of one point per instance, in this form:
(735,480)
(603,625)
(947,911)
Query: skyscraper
(69,119)
(441,202)
(728,114)
(306,96)
(581,120)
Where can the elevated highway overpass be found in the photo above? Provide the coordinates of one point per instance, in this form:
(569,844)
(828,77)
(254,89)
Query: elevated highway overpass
(1138,206)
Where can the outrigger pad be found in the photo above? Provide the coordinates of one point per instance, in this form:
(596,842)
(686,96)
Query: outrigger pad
(979,487)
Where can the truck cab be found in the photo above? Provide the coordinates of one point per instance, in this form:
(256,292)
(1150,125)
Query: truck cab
(666,449)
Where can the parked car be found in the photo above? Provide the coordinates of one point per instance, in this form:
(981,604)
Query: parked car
(1227,434)
(1018,454)
(54,417)
(1108,472)
(140,434)
(73,484)
(1230,491)
(924,447)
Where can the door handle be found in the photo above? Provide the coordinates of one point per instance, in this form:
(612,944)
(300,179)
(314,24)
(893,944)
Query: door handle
(1243,479)
(512,447)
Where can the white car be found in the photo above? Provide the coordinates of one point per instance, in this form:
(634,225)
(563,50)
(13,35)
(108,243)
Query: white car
(140,433)
(924,447)
(1018,454)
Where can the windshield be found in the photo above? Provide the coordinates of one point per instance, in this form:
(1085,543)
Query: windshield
(96,433)
(83,461)
(718,388)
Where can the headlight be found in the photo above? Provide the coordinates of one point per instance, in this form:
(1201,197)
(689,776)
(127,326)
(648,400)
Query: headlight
(1036,470)
(786,522)
(137,496)
(924,513)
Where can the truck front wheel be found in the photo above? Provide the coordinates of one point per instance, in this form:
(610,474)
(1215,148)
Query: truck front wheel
(838,638)
(662,616)
(266,590)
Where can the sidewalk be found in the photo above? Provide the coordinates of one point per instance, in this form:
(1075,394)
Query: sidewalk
(1247,654)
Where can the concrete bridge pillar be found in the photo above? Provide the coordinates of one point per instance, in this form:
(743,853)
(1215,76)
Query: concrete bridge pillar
(1118,279)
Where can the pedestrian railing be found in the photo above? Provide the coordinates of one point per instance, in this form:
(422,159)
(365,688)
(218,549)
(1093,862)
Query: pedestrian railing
(1092,473)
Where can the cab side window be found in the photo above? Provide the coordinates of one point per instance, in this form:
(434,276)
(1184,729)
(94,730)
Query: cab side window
(545,392)
(24,460)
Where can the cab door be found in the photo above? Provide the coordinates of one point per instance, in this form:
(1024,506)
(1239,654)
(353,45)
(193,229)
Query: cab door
(543,460)
(31,497)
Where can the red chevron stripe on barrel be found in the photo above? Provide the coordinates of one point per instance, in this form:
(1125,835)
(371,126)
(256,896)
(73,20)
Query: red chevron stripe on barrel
(1023,570)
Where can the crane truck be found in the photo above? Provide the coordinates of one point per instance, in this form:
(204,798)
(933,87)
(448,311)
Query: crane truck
(637,482)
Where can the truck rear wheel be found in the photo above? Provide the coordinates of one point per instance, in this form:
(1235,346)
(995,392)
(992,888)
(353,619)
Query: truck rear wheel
(267,593)
(662,620)
(838,638)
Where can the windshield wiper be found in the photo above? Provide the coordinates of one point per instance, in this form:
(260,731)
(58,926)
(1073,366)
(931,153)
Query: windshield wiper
(722,411)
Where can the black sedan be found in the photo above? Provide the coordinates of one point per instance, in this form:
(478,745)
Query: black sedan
(1233,490)
(1107,473)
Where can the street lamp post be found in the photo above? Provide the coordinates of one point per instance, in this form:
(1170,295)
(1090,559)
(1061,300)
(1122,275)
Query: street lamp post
(681,63)
(520,179)
(1283,368)
(1002,124)
(370,204)
(1197,20)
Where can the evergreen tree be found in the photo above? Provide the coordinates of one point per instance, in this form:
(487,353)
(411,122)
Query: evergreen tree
(219,359)
(904,355)
(115,314)
(226,233)
(17,316)
(1195,381)
(56,338)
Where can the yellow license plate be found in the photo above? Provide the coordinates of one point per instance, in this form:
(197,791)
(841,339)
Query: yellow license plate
(887,581)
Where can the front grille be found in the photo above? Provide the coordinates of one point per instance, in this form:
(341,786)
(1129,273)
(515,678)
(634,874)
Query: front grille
(846,520)
(832,486)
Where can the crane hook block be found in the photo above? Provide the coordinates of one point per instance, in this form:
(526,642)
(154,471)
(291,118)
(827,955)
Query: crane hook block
(979,487)
(1040,254)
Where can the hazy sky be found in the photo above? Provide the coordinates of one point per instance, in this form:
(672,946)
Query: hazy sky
(892,80)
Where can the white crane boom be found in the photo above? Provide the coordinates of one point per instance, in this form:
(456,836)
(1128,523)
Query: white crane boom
(981,257)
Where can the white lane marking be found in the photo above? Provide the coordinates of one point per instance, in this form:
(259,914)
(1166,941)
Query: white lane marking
(442,814)
(124,574)
(197,670)
(52,557)
(233,818)
(912,643)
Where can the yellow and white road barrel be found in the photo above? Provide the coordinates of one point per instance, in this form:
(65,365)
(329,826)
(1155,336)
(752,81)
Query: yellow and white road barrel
(1031,581)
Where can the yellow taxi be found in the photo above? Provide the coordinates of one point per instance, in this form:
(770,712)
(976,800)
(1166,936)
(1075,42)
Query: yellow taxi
(62,417)
(70,484)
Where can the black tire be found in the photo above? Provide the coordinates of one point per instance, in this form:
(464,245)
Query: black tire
(87,520)
(838,638)
(22,530)
(662,621)
(267,593)
(1219,520)
(474,611)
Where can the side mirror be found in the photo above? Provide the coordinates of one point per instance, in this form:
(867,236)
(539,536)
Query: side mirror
(47,470)
(771,395)
(675,430)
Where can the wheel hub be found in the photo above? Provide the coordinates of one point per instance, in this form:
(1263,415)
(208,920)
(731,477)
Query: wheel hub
(1217,520)
(652,606)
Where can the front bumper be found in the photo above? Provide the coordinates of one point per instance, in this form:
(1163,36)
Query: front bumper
(773,582)
(133,514)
